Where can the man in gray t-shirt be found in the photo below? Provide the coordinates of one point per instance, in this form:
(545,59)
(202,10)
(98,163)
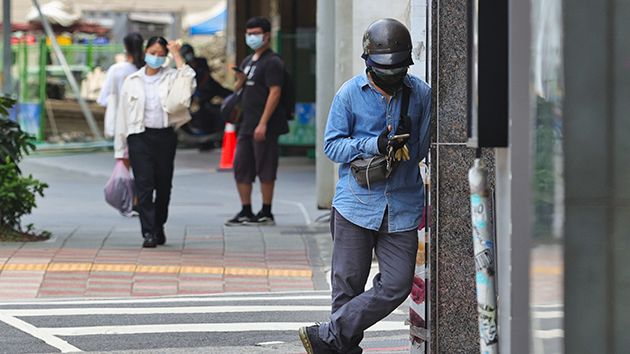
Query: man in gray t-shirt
(261,76)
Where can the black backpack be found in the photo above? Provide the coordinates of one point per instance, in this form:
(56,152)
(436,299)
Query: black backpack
(287,98)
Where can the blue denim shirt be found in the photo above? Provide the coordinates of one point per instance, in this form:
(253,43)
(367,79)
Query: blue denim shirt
(359,113)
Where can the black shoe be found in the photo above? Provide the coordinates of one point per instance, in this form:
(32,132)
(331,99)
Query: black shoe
(239,220)
(311,341)
(262,219)
(150,241)
(160,238)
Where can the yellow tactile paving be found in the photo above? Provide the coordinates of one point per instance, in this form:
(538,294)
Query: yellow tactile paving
(132,268)
(201,270)
(30,267)
(548,270)
(63,267)
(290,273)
(246,271)
(157,269)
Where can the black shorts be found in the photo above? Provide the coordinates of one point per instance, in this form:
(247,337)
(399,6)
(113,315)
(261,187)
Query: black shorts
(255,158)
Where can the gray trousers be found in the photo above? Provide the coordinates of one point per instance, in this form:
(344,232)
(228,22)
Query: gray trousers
(353,309)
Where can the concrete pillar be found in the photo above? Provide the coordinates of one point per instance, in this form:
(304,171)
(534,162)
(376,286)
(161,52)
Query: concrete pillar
(344,41)
(597,170)
(453,301)
(324,91)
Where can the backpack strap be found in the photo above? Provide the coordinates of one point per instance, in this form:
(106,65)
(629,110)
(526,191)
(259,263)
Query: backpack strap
(405,100)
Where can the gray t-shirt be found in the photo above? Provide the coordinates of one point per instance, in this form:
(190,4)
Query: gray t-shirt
(263,73)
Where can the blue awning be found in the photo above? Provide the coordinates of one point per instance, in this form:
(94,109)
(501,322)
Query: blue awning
(211,25)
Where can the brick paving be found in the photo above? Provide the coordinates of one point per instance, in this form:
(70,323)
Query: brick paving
(199,261)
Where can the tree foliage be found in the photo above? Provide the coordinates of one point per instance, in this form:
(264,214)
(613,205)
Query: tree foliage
(17,194)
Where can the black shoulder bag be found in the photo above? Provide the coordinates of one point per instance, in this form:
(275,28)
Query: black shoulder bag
(379,167)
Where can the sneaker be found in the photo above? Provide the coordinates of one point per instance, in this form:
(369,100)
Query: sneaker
(160,238)
(129,214)
(311,341)
(239,219)
(149,241)
(262,219)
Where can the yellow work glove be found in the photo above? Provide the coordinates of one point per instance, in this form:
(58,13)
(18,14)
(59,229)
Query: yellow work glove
(402,154)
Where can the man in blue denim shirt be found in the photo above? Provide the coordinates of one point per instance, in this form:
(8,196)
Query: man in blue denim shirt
(365,114)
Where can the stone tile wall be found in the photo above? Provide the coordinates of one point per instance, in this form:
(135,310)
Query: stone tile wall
(453,296)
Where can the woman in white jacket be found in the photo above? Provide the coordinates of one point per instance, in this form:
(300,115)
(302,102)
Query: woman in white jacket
(116,74)
(147,129)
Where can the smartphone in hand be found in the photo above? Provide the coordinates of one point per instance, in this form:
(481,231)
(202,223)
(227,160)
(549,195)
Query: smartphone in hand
(237,69)
(399,136)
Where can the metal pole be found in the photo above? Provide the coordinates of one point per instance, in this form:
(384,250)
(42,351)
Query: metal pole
(484,257)
(96,132)
(6,47)
(42,89)
(420,335)
(24,72)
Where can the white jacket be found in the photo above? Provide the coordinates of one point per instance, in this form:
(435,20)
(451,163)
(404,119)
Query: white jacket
(130,112)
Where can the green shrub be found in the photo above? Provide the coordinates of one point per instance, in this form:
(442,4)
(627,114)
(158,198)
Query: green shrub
(13,141)
(17,195)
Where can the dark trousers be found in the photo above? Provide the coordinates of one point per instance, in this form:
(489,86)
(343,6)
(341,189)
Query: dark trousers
(152,156)
(353,309)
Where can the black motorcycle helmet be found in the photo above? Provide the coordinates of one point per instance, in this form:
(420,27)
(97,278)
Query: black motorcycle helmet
(185,49)
(387,44)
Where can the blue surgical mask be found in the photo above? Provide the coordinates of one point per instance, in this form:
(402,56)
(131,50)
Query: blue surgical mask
(153,61)
(189,57)
(254,41)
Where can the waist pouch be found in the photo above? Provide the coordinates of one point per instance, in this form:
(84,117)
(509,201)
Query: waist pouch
(370,170)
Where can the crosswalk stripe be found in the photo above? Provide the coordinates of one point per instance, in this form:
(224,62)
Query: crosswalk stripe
(547,305)
(549,334)
(548,314)
(202,327)
(181,298)
(160,310)
(39,333)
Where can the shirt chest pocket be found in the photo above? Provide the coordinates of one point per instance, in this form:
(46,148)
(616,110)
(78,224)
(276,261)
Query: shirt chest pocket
(134,110)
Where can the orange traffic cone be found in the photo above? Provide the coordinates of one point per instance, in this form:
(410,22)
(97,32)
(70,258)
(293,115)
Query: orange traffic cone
(229,145)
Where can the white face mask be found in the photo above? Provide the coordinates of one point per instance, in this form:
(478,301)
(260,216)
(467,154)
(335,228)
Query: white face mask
(254,41)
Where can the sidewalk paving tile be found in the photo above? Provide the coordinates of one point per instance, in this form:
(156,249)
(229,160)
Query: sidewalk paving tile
(108,261)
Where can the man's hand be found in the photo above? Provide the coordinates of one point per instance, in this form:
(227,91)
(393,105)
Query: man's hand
(260,133)
(241,77)
(383,140)
(404,127)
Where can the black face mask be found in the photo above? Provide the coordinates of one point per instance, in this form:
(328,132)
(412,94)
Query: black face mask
(390,83)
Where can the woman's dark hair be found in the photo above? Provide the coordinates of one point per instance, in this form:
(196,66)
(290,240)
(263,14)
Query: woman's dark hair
(261,22)
(133,42)
(159,40)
